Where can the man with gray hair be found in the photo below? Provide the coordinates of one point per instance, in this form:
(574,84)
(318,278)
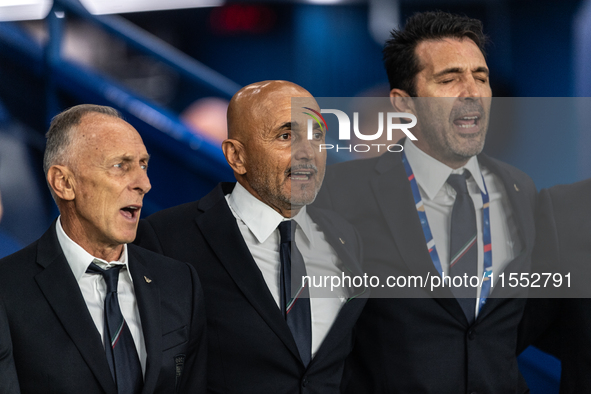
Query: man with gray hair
(87,312)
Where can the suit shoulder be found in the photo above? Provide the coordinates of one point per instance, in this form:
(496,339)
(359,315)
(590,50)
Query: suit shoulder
(341,177)
(334,219)
(352,166)
(18,269)
(28,253)
(573,189)
(519,176)
(514,171)
(175,214)
(159,260)
(570,195)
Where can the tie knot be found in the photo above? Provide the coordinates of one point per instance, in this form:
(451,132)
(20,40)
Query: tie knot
(286,230)
(458,182)
(111,275)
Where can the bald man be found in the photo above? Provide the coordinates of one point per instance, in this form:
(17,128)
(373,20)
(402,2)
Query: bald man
(235,238)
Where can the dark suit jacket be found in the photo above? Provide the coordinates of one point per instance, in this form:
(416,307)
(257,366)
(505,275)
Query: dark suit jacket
(563,244)
(418,344)
(8,379)
(251,349)
(57,348)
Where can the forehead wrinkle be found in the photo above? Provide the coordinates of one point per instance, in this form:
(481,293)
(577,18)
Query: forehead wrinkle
(98,132)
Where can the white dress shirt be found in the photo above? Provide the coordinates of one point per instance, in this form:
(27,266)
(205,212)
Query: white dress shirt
(439,197)
(94,289)
(258,224)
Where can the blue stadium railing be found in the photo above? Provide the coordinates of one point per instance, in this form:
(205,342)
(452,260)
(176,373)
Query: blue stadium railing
(177,152)
(196,163)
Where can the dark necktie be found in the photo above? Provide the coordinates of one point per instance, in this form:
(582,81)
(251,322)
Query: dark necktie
(296,309)
(463,243)
(119,346)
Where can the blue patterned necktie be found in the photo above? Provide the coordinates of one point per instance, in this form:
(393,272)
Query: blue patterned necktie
(463,243)
(296,309)
(119,346)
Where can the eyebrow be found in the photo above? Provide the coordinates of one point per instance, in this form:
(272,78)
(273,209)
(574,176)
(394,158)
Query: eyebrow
(458,70)
(128,158)
(285,126)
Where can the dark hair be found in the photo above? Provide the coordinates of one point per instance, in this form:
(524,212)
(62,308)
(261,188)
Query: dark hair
(59,136)
(400,59)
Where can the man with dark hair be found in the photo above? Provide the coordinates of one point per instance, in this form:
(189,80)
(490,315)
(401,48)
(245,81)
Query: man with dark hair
(261,340)
(89,313)
(433,209)
(400,57)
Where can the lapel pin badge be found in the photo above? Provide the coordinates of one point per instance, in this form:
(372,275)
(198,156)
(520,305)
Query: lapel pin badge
(515,186)
(340,239)
(148,280)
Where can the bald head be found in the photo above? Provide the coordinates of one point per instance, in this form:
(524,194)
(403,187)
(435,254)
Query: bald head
(269,149)
(251,106)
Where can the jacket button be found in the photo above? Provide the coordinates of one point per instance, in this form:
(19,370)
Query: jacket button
(304,382)
(471,336)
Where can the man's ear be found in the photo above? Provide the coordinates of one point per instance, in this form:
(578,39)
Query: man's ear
(235,155)
(61,180)
(401,101)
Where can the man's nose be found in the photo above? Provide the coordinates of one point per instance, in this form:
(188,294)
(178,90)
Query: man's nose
(302,149)
(141,182)
(470,88)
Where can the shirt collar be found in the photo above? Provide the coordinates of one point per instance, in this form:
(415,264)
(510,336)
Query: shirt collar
(305,222)
(260,218)
(79,259)
(431,174)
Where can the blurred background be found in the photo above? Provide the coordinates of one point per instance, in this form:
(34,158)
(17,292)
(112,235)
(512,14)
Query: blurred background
(171,66)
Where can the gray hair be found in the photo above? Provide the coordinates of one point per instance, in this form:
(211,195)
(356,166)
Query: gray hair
(60,133)
(59,136)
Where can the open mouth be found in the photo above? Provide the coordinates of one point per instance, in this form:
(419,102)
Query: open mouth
(302,174)
(467,121)
(131,212)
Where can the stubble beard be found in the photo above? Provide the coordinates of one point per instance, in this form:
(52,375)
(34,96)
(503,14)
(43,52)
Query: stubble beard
(272,194)
(449,146)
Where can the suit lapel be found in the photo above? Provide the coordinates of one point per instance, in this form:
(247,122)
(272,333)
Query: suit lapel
(518,200)
(148,301)
(349,313)
(350,261)
(519,206)
(63,294)
(394,195)
(218,227)
(341,327)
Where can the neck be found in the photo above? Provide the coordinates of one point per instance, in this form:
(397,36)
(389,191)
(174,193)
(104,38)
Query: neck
(285,209)
(454,164)
(288,213)
(451,160)
(76,232)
